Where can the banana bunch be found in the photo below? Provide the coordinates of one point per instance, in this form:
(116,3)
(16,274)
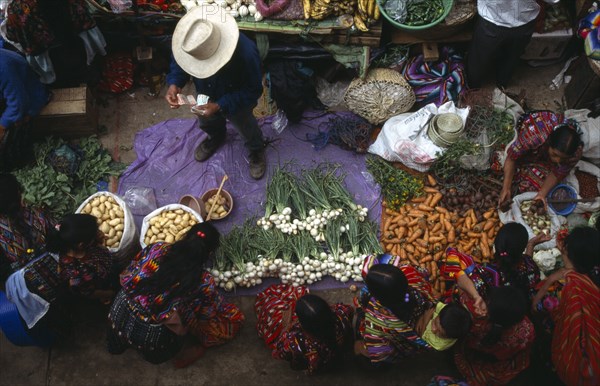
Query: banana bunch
(367,13)
(320,9)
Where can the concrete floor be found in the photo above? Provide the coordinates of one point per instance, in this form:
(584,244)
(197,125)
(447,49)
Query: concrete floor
(83,359)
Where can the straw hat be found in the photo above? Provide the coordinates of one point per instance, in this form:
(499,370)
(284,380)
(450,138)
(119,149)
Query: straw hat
(204,40)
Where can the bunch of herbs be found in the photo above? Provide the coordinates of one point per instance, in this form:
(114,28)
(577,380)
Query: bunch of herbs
(397,186)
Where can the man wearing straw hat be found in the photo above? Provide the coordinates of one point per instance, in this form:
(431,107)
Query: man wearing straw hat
(225,66)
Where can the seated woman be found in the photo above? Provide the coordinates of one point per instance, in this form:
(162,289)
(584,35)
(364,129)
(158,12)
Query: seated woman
(22,96)
(168,298)
(543,153)
(75,263)
(57,38)
(22,229)
(576,337)
(498,346)
(397,315)
(85,264)
(302,328)
(513,265)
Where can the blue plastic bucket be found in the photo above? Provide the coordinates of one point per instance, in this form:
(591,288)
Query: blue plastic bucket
(563,209)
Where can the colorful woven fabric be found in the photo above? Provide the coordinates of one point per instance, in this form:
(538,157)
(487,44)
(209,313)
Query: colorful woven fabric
(576,339)
(209,318)
(89,273)
(270,306)
(588,23)
(128,329)
(436,82)
(143,266)
(203,311)
(42,278)
(306,353)
(457,264)
(28,25)
(499,363)
(386,337)
(117,75)
(17,237)
(525,276)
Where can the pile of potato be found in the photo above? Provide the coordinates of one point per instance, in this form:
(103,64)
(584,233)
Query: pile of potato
(221,209)
(536,217)
(111,218)
(169,226)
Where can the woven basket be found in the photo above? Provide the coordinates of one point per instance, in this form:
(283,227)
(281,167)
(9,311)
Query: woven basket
(458,19)
(381,95)
(594,65)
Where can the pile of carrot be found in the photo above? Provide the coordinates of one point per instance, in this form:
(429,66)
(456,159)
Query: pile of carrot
(421,231)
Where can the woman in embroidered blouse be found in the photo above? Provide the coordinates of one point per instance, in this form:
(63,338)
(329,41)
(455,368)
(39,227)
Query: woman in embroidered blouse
(397,315)
(85,264)
(169,300)
(549,151)
(512,265)
(576,335)
(302,328)
(498,346)
(22,229)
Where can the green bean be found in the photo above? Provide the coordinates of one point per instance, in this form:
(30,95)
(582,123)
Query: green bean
(424,12)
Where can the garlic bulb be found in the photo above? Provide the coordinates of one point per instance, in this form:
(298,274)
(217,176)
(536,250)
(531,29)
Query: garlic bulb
(243,10)
(252,9)
(258,16)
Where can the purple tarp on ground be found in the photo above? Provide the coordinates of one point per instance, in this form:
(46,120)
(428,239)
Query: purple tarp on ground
(165,162)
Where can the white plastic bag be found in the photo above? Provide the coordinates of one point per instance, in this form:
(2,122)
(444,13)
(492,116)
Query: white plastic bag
(128,245)
(515,215)
(146,220)
(404,138)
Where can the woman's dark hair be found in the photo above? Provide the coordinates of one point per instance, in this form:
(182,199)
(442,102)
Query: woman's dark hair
(10,195)
(507,306)
(389,286)
(317,318)
(583,250)
(565,139)
(74,229)
(183,263)
(455,320)
(509,245)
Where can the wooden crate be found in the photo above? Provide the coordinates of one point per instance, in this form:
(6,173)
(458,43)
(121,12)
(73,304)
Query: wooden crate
(71,113)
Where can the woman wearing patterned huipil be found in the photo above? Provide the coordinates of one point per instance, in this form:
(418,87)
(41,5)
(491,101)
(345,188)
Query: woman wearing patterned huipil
(22,229)
(512,265)
(388,308)
(302,328)
(542,154)
(168,305)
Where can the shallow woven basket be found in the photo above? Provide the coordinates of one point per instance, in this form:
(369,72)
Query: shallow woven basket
(381,95)
(595,65)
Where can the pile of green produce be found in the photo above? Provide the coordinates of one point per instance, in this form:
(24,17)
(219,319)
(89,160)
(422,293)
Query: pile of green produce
(397,186)
(311,228)
(63,175)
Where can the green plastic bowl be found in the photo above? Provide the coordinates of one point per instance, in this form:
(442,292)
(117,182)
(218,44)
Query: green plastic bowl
(447,7)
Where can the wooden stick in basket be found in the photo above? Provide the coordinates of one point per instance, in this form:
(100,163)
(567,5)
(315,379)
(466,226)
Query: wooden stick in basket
(212,207)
